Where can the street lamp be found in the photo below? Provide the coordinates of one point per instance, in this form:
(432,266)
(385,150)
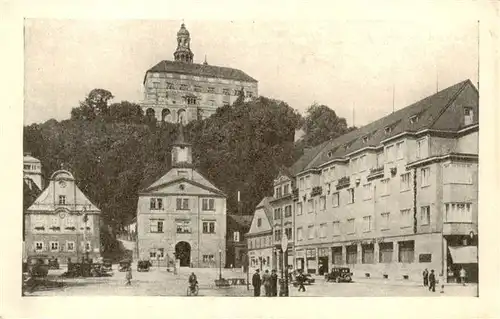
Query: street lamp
(220,264)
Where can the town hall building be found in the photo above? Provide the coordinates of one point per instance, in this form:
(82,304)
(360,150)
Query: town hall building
(181,91)
(182,216)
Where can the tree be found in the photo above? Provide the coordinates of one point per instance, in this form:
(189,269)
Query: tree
(126,112)
(95,105)
(322,124)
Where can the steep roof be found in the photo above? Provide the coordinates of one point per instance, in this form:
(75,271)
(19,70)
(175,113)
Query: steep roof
(244,221)
(30,159)
(205,70)
(264,204)
(428,111)
(30,192)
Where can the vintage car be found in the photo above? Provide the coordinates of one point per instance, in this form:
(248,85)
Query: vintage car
(143,265)
(98,270)
(339,274)
(125,265)
(307,281)
(38,266)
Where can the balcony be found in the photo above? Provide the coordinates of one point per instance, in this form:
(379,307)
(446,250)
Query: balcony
(317,190)
(343,182)
(377,172)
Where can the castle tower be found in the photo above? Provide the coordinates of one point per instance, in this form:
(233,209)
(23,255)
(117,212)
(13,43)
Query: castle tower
(183,52)
(181,151)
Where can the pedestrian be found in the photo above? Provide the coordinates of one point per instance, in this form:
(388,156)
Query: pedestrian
(266,281)
(300,280)
(128,276)
(256,283)
(462,275)
(432,281)
(274,283)
(425,274)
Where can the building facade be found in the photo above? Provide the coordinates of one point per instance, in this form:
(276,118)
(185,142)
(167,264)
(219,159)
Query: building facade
(180,91)
(236,245)
(396,196)
(62,222)
(182,216)
(260,237)
(32,170)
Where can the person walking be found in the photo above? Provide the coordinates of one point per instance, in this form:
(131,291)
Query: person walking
(266,280)
(256,283)
(462,275)
(432,281)
(425,274)
(128,276)
(300,280)
(274,283)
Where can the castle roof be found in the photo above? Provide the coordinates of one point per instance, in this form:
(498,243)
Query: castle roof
(204,70)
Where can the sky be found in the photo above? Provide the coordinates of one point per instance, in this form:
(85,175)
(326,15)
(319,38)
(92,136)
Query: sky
(351,66)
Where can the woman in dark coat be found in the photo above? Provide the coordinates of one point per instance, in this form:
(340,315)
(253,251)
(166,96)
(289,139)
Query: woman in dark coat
(256,283)
(274,283)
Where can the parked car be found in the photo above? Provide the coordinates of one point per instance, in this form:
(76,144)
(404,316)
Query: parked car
(125,265)
(98,270)
(38,266)
(339,274)
(143,265)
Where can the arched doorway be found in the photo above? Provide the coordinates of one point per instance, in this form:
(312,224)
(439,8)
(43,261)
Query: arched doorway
(182,116)
(165,115)
(183,253)
(150,114)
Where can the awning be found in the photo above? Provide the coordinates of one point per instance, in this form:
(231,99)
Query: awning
(464,254)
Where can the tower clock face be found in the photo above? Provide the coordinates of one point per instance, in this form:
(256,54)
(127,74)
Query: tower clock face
(62,184)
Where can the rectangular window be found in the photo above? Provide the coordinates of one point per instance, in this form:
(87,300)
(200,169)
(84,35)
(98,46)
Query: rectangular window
(367,191)
(300,235)
(54,246)
(156,225)
(425,173)
(310,206)
(367,254)
(385,185)
(458,212)
(354,165)
(259,222)
(335,199)
(286,189)
(277,234)
(55,224)
(380,159)
(277,213)
(406,218)
(197,88)
(288,233)
(405,182)
(70,246)
(39,246)
(288,210)
(425,215)
(468,115)
(350,193)
(62,200)
(352,254)
(422,148)
(152,253)
(337,255)
(301,183)
(182,203)
(406,251)
(299,208)
(322,230)
(385,221)
(308,182)
(322,203)
(310,232)
(208,204)
(400,150)
(209,227)
(362,163)
(226,92)
(156,204)
(170,86)
(211,90)
(183,226)
(386,251)
(367,224)
(351,227)
(336,228)
(389,153)
(184,87)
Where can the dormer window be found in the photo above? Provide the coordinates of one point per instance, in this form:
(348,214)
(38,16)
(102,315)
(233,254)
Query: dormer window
(330,154)
(388,130)
(413,119)
(365,139)
(468,115)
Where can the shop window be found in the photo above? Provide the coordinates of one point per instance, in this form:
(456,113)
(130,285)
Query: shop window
(386,251)
(337,255)
(367,254)
(406,251)
(352,254)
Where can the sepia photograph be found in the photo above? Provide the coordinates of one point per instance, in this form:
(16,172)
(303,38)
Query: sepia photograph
(240,158)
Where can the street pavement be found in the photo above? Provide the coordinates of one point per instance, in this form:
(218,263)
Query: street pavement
(160,282)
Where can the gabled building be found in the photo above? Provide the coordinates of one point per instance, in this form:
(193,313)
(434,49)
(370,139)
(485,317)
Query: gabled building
(395,196)
(181,91)
(260,237)
(62,222)
(182,215)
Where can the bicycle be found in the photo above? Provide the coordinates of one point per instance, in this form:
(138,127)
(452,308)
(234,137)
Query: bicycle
(192,290)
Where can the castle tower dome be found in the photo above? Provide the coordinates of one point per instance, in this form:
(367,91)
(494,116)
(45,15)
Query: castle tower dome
(183,52)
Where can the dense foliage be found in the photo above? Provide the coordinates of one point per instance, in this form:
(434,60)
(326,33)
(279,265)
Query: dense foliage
(115,151)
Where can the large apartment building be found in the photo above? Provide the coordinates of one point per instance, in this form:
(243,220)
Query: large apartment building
(395,196)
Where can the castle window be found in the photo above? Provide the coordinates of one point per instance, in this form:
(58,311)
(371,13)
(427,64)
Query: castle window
(62,200)
(211,90)
(184,87)
(249,94)
(191,100)
(226,92)
(170,86)
(197,88)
